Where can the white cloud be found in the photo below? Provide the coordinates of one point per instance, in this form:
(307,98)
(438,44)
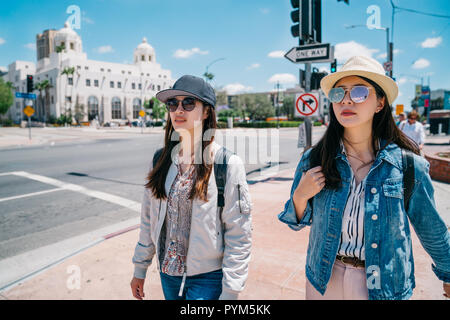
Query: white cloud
(346,50)
(3,69)
(234,88)
(104,49)
(421,63)
(384,55)
(402,80)
(253,66)
(31,46)
(431,42)
(283,78)
(184,54)
(2,41)
(276,54)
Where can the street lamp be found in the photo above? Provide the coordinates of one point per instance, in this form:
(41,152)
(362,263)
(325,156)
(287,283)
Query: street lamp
(389,45)
(210,76)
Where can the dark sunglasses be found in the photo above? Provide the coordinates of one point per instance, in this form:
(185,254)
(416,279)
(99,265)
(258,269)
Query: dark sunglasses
(358,94)
(187,103)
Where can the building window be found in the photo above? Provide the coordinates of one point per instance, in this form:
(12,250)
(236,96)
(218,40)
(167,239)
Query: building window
(95,83)
(88,82)
(68,99)
(53,101)
(78,67)
(149,58)
(123,71)
(140,86)
(109,70)
(116,109)
(92,107)
(143,58)
(159,87)
(136,108)
(70,81)
(111,84)
(86,68)
(102,70)
(133,86)
(119,84)
(72,46)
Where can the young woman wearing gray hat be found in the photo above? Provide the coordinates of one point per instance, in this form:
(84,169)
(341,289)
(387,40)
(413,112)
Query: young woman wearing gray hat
(197,225)
(352,188)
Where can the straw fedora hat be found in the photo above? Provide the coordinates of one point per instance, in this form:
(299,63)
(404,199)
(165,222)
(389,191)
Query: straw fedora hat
(365,67)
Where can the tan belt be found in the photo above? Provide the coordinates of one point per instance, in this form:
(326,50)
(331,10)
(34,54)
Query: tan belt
(351,260)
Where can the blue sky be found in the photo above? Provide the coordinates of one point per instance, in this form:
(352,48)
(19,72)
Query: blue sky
(250,35)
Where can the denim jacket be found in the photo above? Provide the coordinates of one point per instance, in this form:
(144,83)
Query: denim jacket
(389,260)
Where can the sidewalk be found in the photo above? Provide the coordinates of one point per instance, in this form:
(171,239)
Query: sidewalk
(277,267)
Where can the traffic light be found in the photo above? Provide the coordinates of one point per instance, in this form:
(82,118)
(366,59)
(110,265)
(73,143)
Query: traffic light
(29,83)
(315,79)
(307,17)
(333,66)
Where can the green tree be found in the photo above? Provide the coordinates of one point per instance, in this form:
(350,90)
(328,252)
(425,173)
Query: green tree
(158,108)
(259,107)
(6,96)
(288,106)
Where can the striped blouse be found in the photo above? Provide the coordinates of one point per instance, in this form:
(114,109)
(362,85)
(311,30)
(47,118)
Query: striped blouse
(352,233)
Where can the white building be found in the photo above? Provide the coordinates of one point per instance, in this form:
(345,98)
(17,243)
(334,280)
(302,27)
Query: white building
(113,92)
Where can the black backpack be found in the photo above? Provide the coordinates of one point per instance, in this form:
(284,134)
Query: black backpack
(408,176)
(220,172)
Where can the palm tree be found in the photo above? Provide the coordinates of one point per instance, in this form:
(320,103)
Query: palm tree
(67,71)
(38,86)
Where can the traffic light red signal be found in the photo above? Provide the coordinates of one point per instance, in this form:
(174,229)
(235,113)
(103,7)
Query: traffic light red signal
(30,87)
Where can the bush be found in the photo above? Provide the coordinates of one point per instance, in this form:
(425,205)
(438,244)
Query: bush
(222,124)
(6,123)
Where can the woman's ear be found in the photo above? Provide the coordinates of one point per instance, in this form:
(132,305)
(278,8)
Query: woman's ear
(381,104)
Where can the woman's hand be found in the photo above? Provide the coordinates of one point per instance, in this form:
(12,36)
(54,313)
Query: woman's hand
(311,183)
(137,288)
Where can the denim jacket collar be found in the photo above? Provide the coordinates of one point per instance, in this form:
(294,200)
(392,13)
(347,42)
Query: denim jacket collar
(387,153)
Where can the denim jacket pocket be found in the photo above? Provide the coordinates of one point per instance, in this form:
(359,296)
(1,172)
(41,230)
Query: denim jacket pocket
(393,188)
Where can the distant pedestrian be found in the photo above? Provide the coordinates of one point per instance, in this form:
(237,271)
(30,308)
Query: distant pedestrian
(401,118)
(414,129)
(196,225)
(349,188)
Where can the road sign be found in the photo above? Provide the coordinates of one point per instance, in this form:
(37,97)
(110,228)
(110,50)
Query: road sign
(399,109)
(387,66)
(25,95)
(306,104)
(142,113)
(311,53)
(29,111)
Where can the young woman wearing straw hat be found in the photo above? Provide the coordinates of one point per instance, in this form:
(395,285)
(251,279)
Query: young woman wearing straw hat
(195,219)
(349,188)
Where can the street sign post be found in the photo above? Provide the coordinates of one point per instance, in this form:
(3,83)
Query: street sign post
(322,52)
(29,111)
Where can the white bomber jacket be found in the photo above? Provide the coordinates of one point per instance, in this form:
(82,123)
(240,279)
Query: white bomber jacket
(215,242)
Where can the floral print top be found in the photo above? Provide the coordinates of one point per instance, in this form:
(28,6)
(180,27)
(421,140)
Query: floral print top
(177,225)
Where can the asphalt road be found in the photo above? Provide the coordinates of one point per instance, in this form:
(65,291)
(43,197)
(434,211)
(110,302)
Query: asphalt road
(37,212)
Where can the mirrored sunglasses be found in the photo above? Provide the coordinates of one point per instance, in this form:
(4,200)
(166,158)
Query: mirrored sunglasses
(358,94)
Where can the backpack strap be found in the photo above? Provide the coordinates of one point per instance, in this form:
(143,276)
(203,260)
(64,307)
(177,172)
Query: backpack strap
(408,176)
(220,172)
(156,156)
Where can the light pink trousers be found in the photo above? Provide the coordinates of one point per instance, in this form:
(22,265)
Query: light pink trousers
(347,283)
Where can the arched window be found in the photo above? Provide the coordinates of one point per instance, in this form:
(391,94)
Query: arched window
(116,108)
(92,107)
(136,107)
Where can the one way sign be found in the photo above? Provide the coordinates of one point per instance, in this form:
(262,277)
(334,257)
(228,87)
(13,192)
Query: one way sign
(311,53)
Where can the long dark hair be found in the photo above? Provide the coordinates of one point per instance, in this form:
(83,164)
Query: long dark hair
(157,176)
(383,127)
